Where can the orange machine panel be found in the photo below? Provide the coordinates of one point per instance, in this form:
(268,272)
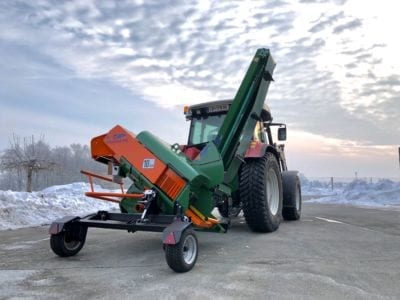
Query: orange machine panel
(123,143)
(99,148)
(171,183)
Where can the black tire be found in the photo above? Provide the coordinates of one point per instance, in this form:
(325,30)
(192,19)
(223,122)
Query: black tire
(183,256)
(236,208)
(261,214)
(223,210)
(291,196)
(68,242)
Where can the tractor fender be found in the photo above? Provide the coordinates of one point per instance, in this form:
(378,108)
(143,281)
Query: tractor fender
(258,149)
(255,150)
(173,232)
(58,225)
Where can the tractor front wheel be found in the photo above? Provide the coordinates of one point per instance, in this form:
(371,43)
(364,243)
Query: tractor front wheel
(291,196)
(261,193)
(182,256)
(68,242)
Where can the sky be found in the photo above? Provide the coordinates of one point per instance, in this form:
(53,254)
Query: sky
(71,70)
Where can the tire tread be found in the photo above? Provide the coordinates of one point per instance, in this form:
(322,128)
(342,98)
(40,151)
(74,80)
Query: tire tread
(252,194)
(173,254)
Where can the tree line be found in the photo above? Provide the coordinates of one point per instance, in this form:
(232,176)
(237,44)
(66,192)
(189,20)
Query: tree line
(32,164)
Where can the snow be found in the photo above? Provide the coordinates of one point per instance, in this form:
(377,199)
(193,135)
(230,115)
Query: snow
(317,188)
(384,193)
(22,209)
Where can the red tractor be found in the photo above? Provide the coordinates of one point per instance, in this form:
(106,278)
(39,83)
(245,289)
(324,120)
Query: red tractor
(263,172)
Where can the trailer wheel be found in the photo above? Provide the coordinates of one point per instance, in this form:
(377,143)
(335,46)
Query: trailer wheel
(68,242)
(182,256)
(291,196)
(261,193)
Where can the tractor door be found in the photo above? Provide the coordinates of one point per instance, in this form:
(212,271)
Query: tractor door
(204,128)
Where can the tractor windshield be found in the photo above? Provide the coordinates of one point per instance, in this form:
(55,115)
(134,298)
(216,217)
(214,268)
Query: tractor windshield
(205,128)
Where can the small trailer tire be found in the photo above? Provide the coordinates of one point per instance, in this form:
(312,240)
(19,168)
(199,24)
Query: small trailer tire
(68,242)
(291,196)
(182,256)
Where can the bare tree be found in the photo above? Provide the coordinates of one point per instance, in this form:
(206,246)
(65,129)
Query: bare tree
(34,165)
(28,157)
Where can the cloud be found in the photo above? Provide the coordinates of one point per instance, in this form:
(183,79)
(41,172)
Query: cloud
(339,2)
(338,158)
(347,26)
(326,21)
(362,50)
(333,85)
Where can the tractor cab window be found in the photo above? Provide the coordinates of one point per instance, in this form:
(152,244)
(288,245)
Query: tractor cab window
(259,134)
(204,128)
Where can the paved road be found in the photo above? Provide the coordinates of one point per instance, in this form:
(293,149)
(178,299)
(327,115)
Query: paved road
(334,252)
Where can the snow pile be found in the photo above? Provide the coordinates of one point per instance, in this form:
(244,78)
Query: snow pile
(22,209)
(317,188)
(384,193)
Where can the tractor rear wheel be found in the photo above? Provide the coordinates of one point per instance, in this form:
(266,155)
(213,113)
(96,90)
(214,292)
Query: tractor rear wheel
(291,196)
(182,256)
(68,242)
(261,193)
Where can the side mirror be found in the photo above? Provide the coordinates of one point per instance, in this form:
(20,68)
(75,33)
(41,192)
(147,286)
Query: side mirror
(282,134)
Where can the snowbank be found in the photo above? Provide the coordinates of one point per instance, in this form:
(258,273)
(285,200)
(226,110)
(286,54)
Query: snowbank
(384,193)
(318,188)
(22,209)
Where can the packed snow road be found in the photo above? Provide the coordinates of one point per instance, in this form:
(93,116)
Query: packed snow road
(333,252)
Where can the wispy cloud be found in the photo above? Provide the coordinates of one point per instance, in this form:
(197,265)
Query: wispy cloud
(347,26)
(326,21)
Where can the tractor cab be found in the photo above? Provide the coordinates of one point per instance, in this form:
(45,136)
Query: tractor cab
(207,118)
